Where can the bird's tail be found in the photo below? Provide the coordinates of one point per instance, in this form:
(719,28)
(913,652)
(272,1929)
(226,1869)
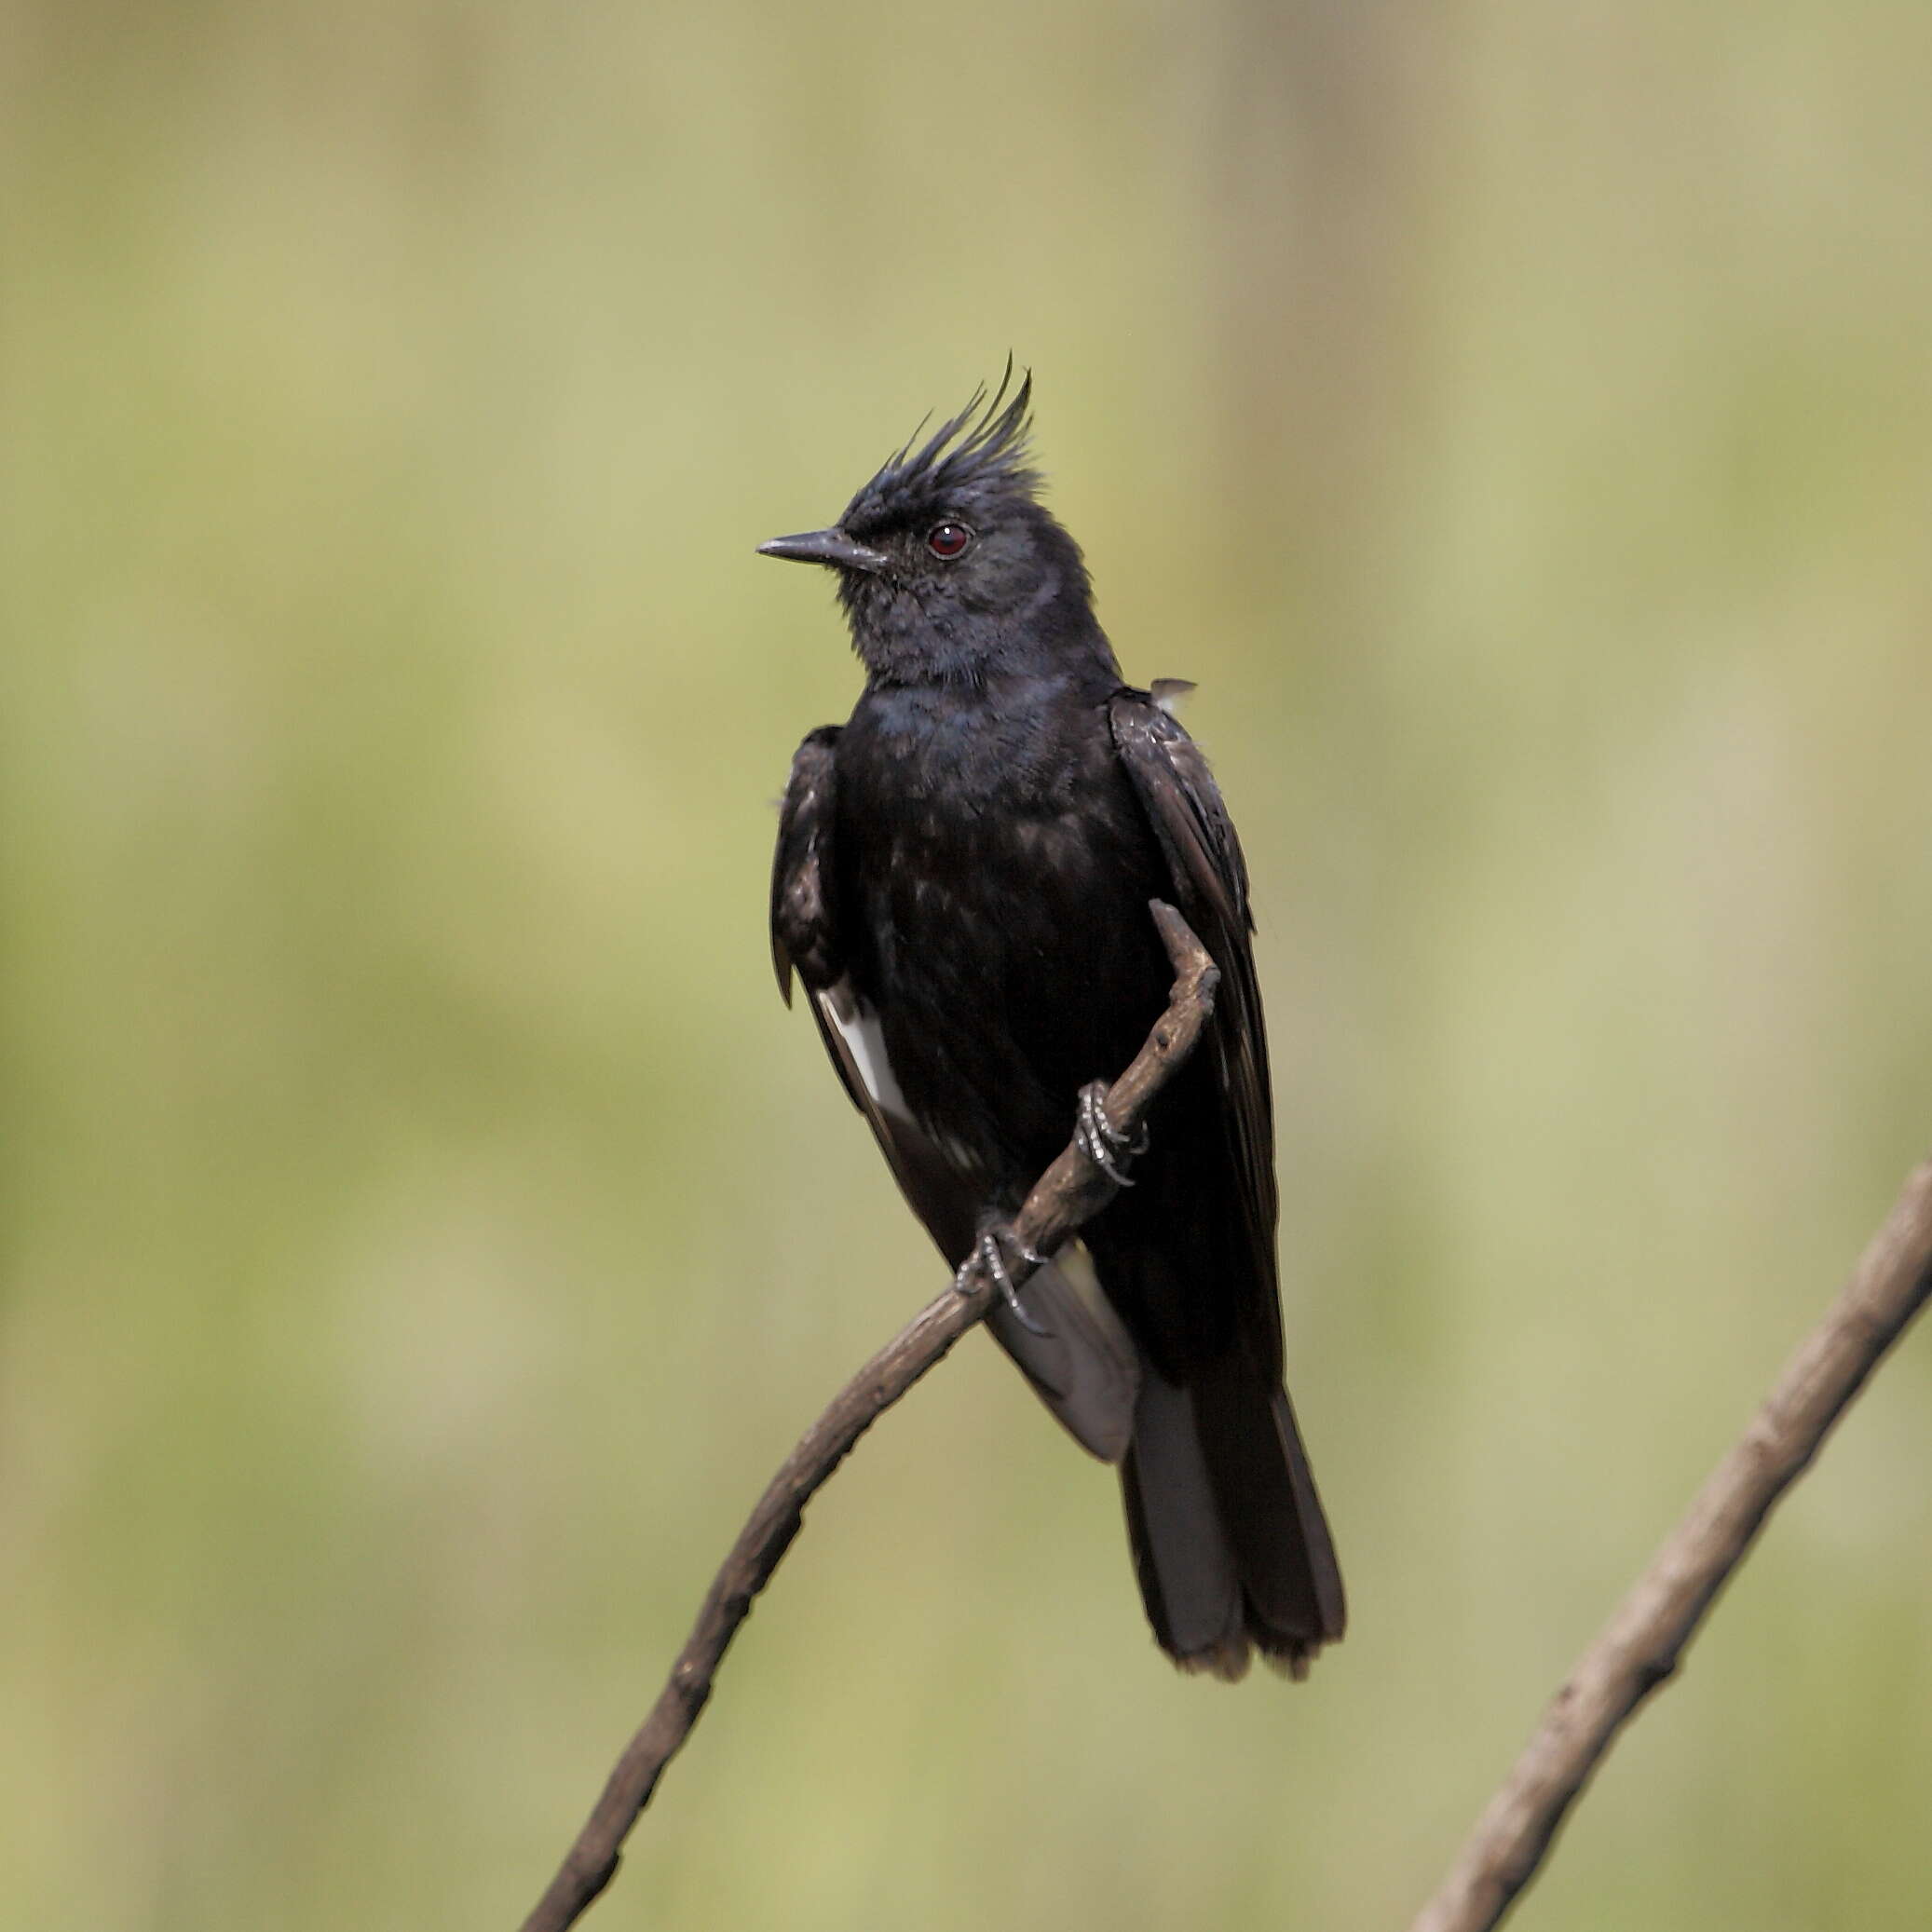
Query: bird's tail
(1229,1543)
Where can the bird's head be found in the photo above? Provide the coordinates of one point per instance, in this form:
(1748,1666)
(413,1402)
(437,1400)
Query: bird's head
(948,565)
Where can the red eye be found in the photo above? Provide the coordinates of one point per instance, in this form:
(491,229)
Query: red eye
(948,539)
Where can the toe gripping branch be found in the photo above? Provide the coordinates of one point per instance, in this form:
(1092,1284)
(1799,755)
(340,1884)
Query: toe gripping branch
(987,1254)
(1100,1141)
(1108,1148)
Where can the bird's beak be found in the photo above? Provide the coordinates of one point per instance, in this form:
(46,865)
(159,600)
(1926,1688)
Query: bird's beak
(825,547)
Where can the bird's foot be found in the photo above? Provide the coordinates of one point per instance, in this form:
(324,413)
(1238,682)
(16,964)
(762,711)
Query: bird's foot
(1099,1140)
(986,1252)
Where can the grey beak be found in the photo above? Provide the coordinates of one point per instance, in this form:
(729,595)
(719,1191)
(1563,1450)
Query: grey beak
(825,547)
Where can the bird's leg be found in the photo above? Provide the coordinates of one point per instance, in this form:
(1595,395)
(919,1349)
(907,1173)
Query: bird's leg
(1094,1135)
(986,1252)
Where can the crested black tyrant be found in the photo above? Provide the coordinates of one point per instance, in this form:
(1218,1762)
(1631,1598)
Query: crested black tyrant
(961,885)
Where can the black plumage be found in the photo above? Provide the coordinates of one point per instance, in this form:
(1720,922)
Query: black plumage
(962,884)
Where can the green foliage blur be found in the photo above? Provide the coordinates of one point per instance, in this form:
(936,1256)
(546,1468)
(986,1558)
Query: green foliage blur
(425,1230)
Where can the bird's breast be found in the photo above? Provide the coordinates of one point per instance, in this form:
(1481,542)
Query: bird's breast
(995,901)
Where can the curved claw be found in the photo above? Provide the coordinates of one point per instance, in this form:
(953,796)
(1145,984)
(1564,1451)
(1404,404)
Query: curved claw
(985,1251)
(1100,1142)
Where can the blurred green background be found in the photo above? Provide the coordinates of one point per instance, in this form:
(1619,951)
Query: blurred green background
(425,1228)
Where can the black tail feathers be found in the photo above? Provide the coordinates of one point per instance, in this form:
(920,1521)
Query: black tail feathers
(1229,1543)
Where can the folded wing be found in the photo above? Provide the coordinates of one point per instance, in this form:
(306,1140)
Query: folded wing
(1085,1365)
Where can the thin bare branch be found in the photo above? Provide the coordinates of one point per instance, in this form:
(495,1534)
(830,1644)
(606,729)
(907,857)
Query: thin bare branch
(1071,1192)
(1639,1648)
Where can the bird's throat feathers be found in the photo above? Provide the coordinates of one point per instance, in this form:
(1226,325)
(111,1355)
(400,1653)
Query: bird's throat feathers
(1026,604)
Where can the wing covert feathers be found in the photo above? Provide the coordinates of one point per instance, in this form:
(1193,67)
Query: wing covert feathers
(802,916)
(1183,805)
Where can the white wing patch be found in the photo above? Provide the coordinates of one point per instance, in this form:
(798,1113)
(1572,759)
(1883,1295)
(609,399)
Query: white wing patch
(864,1040)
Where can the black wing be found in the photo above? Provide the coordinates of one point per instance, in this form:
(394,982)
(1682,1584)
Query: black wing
(1085,1365)
(1183,805)
(804,933)
(1229,1539)
(804,937)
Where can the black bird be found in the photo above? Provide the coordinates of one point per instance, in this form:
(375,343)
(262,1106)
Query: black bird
(961,883)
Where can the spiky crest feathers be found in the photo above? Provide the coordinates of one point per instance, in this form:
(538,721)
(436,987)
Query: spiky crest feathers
(973,458)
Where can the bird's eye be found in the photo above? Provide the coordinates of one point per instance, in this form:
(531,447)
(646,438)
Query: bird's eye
(948,539)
